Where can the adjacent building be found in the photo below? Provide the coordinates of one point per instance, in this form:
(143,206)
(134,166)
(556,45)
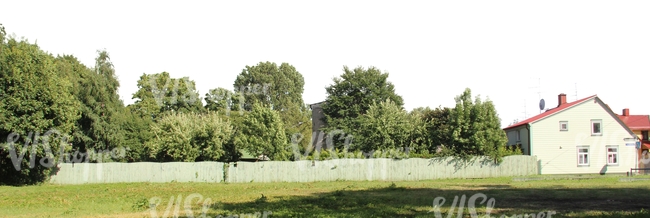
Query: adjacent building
(317,116)
(580,137)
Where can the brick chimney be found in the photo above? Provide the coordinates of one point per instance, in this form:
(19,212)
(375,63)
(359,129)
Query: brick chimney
(626,112)
(561,99)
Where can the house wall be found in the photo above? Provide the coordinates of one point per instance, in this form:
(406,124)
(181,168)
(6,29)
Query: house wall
(557,150)
(523,138)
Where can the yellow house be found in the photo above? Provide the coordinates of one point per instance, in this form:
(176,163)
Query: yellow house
(580,137)
(639,124)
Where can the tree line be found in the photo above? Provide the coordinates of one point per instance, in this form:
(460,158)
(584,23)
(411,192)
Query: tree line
(54,108)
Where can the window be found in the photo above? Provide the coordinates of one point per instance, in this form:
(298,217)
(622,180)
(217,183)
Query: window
(612,155)
(583,156)
(564,125)
(596,127)
(644,135)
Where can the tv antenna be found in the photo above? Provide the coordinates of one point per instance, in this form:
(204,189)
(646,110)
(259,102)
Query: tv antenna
(525,110)
(539,93)
(576,95)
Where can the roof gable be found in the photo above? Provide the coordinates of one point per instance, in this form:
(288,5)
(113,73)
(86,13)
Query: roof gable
(550,112)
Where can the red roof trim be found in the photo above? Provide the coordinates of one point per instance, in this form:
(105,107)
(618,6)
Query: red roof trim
(550,112)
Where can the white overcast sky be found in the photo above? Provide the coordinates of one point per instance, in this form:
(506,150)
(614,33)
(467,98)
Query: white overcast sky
(432,50)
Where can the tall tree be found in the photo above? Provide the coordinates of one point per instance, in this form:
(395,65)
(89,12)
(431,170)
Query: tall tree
(280,88)
(475,127)
(34,98)
(99,127)
(352,94)
(159,93)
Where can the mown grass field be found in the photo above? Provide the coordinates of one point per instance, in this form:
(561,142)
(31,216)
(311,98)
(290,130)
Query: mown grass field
(586,197)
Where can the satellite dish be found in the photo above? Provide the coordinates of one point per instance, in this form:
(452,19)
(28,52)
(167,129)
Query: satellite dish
(542,104)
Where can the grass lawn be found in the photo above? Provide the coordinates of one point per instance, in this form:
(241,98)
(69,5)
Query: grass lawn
(598,196)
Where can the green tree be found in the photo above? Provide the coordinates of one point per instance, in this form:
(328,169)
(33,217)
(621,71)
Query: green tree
(262,133)
(159,93)
(189,137)
(419,139)
(476,128)
(351,96)
(438,128)
(280,88)
(136,134)
(232,152)
(34,98)
(99,127)
(384,126)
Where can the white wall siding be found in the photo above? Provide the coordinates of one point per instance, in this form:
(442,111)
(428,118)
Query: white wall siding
(557,150)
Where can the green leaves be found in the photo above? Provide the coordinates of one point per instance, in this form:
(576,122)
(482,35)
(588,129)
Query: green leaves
(384,126)
(262,133)
(353,93)
(476,128)
(35,98)
(278,87)
(189,137)
(159,93)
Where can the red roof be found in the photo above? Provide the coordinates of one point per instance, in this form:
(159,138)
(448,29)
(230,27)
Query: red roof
(549,112)
(636,122)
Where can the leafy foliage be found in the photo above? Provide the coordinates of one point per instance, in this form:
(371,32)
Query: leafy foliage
(136,134)
(351,96)
(99,127)
(159,93)
(279,88)
(34,98)
(189,137)
(262,133)
(384,126)
(224,100)
(476,128)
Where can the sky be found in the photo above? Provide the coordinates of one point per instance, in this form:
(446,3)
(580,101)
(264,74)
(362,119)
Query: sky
(512,52)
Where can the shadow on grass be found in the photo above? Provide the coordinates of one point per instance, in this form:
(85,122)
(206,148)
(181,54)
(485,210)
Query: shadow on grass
(394,201)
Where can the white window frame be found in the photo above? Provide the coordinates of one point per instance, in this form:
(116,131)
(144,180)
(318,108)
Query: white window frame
(586,156)
(615,154)
(600,122)
(566,125)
